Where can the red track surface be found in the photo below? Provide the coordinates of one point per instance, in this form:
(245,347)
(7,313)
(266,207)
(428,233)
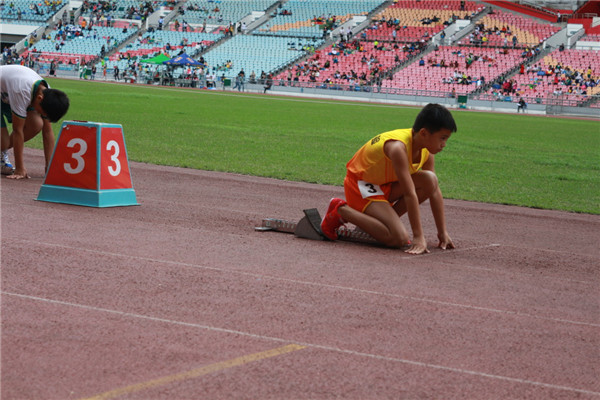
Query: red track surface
(180,298)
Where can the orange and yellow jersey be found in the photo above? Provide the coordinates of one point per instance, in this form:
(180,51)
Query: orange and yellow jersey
(370,163)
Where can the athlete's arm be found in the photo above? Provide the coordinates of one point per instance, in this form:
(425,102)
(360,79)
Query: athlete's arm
(396,151)
(18,140)
(437,209)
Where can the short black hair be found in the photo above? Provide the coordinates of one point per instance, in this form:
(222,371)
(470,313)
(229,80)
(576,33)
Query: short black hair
(55,104)
(434,117)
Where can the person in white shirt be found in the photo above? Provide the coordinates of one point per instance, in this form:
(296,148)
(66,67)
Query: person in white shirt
(31,107)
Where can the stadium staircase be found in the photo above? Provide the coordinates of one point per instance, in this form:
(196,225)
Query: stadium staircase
(268,15)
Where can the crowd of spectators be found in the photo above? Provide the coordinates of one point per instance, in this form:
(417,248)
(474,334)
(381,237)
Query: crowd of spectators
(481,35)
(11,56)
(369,64)
(103,12)
(563,78)
(35,11)
(64,33)
(353,62)
(547,79)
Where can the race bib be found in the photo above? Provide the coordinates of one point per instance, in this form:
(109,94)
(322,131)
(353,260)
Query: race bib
(369,189)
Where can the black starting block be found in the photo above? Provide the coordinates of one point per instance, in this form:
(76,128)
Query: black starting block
(309,227)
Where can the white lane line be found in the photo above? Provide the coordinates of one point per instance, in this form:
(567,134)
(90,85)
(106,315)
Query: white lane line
(322,285)
(450,251)
(312,345)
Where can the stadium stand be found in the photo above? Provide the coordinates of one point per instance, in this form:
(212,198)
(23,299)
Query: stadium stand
(27,11)
(391,48)
(412,20)
(106,12)
(346,63)
(454,70)
(149,44)
(591,38)
(507,29)
(256,53)
(224,12)
(72,44)
(314,18)
(572,73)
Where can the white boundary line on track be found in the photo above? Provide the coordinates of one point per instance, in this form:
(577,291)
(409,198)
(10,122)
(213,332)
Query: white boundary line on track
(325,285)
(311,345)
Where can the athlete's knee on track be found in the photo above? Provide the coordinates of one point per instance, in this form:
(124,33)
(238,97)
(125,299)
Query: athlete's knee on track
(428,184)
(398,237)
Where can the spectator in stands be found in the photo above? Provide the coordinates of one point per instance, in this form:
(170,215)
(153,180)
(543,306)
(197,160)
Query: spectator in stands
(31,107)
(522,105)
(53,68)
(507,87)
(82,71)
(376,198)
(269,83)
(240,80)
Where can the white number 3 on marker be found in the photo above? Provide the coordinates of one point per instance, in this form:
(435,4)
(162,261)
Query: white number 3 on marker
(114,158)
(77,156)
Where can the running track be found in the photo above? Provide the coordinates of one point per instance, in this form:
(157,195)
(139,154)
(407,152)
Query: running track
(180,298)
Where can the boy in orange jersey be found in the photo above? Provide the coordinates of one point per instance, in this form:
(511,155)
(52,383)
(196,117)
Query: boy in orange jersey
(391,175)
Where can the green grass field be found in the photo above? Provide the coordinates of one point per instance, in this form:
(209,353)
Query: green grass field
(524,160)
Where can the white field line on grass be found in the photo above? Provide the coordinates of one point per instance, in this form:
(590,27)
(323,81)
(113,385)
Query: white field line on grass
(301,98)
(322,285)
(311,345)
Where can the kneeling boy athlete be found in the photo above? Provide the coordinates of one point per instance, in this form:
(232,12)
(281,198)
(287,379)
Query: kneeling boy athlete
(391,175)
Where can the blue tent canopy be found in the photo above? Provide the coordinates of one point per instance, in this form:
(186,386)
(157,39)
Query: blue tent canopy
(183,59)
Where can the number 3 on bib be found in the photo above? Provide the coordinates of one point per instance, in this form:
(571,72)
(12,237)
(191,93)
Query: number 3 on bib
(369,189)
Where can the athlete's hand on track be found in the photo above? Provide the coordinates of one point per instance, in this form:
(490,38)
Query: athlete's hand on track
(18,175)
(418,246)
(445,241)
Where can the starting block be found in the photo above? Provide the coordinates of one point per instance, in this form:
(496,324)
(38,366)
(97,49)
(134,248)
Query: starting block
(309,227)
(89,167)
